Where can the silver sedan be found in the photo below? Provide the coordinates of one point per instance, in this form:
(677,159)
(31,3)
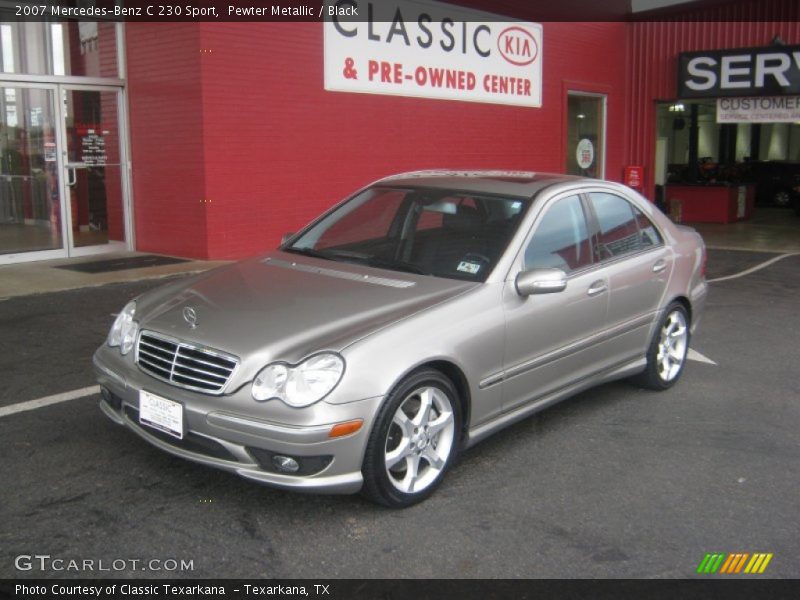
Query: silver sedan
(410,321)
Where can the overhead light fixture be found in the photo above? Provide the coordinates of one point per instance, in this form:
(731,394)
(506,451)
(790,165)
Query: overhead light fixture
(580,116)
(677,107)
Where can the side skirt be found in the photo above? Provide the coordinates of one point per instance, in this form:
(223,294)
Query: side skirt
(621,371)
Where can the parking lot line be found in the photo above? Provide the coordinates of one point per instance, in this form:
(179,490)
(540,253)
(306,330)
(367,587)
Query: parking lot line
(48,400)
(754,269)
(697,357)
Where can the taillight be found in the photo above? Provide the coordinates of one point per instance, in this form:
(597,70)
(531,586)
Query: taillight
(703,264)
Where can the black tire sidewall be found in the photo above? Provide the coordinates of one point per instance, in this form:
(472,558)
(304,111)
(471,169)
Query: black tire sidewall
(377,486)
(650,378)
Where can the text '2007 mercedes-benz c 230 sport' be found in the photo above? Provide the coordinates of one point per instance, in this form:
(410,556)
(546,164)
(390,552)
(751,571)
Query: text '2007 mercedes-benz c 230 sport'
(410,321)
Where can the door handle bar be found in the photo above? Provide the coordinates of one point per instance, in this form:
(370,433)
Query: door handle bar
(598,287)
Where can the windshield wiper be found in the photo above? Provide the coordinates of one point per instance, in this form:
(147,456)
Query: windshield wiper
(395,265)
(307,252)
(359,257)
(329,254)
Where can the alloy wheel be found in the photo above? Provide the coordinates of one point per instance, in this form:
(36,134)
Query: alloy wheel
(672,345)
(420,440)
(782,198)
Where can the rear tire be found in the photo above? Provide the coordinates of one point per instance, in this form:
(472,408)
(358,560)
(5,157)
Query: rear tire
(414,441)
(668,349)
(781,198)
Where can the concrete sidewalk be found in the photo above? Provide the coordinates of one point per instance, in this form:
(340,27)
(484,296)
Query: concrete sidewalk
(770,230)
(43,276)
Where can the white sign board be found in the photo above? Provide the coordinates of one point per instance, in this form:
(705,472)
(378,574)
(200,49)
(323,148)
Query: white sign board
(762,109)
(427,49)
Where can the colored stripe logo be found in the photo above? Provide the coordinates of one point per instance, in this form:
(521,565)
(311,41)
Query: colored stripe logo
(734,563)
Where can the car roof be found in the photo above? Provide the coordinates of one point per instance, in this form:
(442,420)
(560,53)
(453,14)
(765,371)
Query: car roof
(512,183)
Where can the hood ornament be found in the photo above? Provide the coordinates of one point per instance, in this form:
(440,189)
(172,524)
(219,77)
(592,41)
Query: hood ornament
(190,316)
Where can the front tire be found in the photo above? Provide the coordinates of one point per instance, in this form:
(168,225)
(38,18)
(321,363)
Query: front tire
(668,349)
(414,440)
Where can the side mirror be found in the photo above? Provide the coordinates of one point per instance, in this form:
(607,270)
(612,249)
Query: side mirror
(540,281)
(286,237)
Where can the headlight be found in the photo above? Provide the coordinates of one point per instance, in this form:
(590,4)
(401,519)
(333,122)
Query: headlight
(123,331)
(302,385)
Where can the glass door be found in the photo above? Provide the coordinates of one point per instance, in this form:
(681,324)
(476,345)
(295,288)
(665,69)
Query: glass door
(93,170)
(62,181)
(30,190)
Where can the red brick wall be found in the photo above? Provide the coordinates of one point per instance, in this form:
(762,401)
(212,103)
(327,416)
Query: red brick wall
(166,122)
(235,141)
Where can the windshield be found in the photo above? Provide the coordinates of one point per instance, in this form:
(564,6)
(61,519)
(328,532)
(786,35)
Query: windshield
(436,232)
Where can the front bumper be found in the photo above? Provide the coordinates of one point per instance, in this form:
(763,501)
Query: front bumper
(222,432)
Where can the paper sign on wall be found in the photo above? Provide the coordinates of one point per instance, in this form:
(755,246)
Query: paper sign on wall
(767,109)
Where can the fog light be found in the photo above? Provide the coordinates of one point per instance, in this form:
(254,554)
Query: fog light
(111,399)
(285,463)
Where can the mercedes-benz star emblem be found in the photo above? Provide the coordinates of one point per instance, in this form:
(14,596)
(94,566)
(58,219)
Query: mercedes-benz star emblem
(190,316)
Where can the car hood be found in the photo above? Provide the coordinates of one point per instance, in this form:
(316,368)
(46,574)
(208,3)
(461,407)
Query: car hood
(284,306)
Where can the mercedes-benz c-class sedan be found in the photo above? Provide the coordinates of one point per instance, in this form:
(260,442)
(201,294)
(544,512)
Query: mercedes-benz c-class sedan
(413,319)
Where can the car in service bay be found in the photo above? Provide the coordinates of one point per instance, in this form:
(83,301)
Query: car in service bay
(413,319)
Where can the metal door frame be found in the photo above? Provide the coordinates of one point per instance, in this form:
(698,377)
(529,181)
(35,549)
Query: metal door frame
(58,84)
(61,252)
(66,205)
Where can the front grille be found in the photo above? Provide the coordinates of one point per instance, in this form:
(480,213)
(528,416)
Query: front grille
(184,365)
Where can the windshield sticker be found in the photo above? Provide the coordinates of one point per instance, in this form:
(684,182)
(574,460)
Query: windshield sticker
(468,267)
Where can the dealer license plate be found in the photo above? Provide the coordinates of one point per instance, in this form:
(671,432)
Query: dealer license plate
(160,413)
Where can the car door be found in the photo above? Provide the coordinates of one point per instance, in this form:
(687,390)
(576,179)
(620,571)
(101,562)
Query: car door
(637,264)
(550,338)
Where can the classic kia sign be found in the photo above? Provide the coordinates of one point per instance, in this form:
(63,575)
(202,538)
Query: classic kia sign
(431,50)
(768,71)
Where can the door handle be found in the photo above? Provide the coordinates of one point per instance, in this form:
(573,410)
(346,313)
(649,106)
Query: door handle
(598,287)
(72,176)
(659,265)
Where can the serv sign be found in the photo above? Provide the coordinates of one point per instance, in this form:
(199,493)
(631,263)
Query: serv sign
(768,71)
(431,50)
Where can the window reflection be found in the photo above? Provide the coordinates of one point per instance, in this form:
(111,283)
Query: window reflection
(561,240)
(30,217)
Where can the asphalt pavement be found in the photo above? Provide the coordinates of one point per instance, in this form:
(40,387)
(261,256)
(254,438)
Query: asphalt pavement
(615,482)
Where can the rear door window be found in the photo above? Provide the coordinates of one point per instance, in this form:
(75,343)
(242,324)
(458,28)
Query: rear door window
(624,229)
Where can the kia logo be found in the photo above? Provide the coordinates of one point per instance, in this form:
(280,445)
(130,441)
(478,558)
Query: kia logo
(517,46)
